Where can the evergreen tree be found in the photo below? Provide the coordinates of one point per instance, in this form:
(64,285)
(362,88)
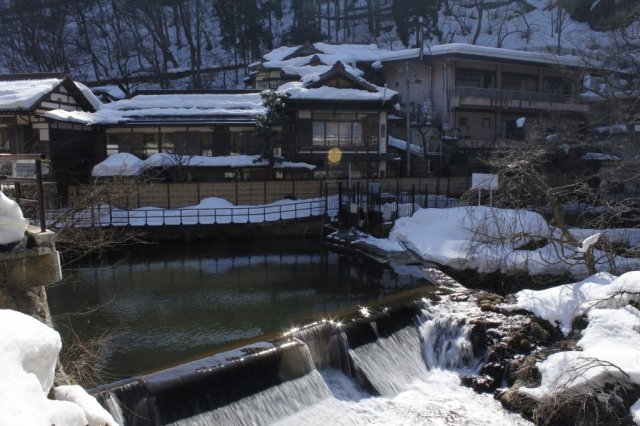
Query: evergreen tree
(406,14)
(268,124)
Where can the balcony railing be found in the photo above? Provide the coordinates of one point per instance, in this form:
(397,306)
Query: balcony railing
(512,95)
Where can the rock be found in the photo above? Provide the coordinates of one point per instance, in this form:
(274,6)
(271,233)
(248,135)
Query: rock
(513,400)
(481,383)
(539,333)
(525,345)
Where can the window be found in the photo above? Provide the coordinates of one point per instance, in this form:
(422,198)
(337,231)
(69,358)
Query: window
(112,148)
(475,78)
(486,123)
(519,82)
(344,129)
(151,145)
(463,122)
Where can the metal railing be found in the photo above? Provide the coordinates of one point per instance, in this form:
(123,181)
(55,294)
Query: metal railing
(515,95)
(102,215)
(17,184)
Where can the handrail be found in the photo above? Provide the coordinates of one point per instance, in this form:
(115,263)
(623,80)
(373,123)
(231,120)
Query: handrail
(513,95)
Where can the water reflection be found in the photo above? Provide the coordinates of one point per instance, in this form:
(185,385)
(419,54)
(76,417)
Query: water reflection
(171,303)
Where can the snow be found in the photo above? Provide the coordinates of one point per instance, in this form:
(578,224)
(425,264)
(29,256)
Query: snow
(600,156)
(12,223)
(298,90)
(124,164)
(87,93)
(485,52)
(381,243)
(520,122)
(588,242)
(490,239)
(23,94)
(119,164)
(28,357)
(635,412)
(168,105)
(608,345)
(401,144)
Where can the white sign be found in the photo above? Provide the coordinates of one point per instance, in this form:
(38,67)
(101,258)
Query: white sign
(484,181)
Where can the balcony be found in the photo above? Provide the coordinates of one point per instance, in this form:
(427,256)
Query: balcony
(513,99)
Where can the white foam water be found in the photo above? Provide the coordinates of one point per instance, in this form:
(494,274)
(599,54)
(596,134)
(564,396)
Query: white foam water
(418,373)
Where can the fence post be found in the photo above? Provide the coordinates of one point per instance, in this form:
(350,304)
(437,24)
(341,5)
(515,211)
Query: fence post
(18,192)
(264,190)
(413,199)
(446,203)
(426,195)
(326,198)
(339,198)
(168,198)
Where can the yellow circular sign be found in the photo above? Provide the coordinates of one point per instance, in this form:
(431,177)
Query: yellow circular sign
(334,155)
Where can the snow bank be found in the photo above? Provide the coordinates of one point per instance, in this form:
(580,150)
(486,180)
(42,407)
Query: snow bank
(120,164)
(609,350)
(560,305)
(28,356)
(12,223)
(490,239)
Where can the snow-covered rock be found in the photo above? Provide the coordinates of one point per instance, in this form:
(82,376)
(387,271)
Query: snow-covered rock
(608,347)
(28,356)
(12,223)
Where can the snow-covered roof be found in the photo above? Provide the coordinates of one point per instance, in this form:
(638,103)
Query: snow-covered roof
(401,144)
(18,94)
(23,94)
(168,105)
(348,53)
(470,50)
(312,87)
(124,164)
(299,91)
(327,54)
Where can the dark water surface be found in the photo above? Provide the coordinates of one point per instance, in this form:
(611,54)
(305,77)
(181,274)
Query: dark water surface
(167,304)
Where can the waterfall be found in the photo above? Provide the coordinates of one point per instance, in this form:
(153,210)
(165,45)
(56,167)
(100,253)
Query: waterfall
(398,365)
(445,334)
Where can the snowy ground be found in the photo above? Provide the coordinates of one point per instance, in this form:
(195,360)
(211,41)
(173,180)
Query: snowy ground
(28,356)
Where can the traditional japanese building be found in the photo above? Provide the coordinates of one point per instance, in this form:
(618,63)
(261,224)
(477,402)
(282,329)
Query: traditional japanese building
(25,100)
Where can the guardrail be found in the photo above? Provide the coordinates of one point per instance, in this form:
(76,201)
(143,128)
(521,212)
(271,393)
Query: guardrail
(18,180)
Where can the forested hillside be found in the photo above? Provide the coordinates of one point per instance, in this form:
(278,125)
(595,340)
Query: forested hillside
(209,43)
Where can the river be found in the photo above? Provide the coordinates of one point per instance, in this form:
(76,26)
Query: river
(164,305)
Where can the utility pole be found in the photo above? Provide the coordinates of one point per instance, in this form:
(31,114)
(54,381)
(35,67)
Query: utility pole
(407,120)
